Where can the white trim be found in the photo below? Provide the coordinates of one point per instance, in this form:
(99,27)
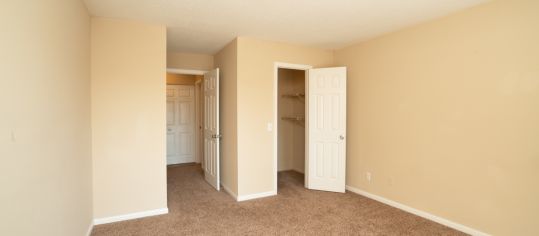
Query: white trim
(229,191)
(307,140)
(437,219)
(186,71)
(255,196)
(90,228)
(130,216)
(276,67)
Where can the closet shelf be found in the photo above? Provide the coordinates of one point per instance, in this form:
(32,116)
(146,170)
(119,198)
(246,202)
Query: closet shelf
(293,118)
(293,95)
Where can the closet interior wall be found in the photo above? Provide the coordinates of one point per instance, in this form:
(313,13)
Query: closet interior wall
(291,132)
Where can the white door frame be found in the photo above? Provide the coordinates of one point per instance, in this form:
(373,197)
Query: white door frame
(186,71)
(276,67)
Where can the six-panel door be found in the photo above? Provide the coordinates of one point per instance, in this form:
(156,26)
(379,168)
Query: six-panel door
(326,133)
(180,124)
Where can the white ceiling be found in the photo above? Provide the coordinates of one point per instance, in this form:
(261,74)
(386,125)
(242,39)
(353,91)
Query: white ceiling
(205,26)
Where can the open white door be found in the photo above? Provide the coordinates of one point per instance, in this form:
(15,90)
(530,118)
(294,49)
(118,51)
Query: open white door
(211,128)
(326,129)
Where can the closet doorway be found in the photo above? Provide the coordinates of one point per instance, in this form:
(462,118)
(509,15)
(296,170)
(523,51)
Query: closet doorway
(310,120)
(290,122)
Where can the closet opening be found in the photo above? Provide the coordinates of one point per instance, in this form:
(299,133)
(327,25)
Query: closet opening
(310,134)
(291,100)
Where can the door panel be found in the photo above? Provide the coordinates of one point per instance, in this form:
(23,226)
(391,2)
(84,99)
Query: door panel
(180,124)
(326,122)
(172,147)
(170,111)
(211,128)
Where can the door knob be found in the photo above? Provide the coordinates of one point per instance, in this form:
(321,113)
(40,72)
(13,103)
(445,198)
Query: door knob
(341,137)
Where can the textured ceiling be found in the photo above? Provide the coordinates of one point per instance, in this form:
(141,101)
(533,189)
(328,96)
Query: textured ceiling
(205,26)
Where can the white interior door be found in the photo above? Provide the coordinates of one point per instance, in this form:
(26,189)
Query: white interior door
(180,124)
(326,132)
(211,128)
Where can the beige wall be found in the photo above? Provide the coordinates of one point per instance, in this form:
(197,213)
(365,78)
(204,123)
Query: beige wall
(190,61)
(291,139)
(45,123)
(226,61)
(256,60)
(128,117)
(445,116)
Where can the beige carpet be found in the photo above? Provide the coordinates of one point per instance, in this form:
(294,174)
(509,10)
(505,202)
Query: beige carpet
(197,209)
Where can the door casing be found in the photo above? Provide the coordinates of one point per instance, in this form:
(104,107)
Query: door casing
(277,66)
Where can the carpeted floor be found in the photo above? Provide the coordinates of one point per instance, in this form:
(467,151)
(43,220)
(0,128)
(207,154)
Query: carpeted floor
(197,209)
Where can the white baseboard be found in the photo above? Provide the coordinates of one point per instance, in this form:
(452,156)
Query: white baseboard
(90,228)
(227,189)
(256,195)
(247,197)
(130,216)
(419,213)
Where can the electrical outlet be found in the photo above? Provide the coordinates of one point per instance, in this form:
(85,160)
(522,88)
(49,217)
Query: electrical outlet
(368,176)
